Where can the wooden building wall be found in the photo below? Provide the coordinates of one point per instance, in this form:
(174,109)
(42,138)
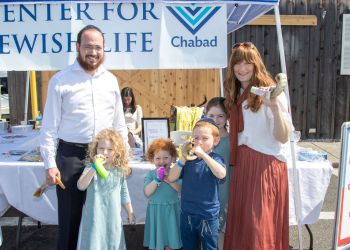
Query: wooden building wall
(17,92)
(320,96)
(157,90)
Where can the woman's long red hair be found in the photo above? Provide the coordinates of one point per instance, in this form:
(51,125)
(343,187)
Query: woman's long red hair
(261,77)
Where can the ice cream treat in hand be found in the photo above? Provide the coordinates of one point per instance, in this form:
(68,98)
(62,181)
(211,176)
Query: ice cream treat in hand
(98,166)
(188,150)
(161,173)
(281,79)
(274,91)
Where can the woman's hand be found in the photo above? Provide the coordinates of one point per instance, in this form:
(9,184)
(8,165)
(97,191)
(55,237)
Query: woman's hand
(271,102)
(281,129)
(131,140)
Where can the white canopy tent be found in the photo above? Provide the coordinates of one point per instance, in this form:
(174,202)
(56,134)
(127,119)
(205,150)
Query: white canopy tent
(239,13)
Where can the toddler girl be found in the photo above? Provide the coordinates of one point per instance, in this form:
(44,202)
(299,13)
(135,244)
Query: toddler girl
(162,227)
(101,224)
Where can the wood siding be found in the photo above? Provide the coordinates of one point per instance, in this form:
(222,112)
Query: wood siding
(157,90)
(320,96)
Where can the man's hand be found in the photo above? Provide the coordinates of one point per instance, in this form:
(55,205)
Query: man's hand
(131,219)
(51,174)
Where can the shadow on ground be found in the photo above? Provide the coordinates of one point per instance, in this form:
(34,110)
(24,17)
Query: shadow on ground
(44,238)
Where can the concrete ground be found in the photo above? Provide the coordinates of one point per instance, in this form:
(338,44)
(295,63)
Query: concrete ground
(33,237)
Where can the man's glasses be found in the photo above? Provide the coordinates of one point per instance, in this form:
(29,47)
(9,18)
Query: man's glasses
(92,47)
(248,45)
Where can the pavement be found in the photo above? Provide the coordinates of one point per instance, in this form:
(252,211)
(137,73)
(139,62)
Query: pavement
(44,237)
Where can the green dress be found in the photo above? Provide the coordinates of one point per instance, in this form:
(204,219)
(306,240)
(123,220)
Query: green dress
(223,149)
(101,224)
(162,227)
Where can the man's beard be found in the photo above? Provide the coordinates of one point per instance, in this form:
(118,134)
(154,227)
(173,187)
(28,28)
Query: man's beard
(87,66)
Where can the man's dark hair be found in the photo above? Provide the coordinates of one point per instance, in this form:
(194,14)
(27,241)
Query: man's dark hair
(88,27)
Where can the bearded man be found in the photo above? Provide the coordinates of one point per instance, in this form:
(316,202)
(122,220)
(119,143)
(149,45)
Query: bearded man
(82,99)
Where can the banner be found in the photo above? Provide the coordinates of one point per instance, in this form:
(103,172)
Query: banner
(42,36)
(341,239)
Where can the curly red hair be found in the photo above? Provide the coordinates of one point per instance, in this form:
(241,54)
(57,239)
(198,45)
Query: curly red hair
(161,144)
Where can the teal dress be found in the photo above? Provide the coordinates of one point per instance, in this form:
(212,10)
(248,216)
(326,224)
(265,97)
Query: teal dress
(101,223)
(162,227)
(223,149)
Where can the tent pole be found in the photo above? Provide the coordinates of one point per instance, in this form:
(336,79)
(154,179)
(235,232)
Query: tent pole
(221,82)
(296,185)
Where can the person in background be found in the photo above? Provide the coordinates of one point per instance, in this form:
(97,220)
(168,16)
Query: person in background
(259,130)
(82,100)
(162,226)
(200,206)
(217,111)
(101,224)
(133,115)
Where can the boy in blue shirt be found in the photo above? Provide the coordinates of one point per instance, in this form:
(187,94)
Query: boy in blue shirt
(200,204)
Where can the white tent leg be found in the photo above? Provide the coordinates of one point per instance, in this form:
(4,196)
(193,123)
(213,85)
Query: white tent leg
(296,186)
(221,83)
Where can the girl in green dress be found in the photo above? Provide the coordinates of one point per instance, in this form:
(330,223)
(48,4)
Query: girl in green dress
(162,227)
(217,111)
(101,225)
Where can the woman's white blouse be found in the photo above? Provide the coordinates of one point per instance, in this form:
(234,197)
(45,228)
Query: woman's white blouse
(133,120)
(258,129)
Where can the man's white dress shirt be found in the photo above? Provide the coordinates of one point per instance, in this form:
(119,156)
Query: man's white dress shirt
(77,107)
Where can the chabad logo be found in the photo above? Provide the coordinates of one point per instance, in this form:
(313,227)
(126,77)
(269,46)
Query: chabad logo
(193,17)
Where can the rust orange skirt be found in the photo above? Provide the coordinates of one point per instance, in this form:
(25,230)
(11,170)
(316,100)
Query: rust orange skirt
(258,203)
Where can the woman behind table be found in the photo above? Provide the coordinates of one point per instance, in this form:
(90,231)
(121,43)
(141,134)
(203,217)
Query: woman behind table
(217,111)
(101,225)
(259,129)
(133,115)
(162,227)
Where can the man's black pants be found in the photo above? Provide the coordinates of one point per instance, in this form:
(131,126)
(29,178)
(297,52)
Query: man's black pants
(70,161)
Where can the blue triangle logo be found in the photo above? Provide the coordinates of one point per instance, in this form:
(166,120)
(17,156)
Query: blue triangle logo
(193,17)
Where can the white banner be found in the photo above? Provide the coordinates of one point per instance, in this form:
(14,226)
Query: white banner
(137,35)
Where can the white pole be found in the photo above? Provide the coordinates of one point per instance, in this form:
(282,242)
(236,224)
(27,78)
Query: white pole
(24,122)
(296,185)
(221,83)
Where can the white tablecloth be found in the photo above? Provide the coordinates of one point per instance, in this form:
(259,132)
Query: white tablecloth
(18,181)
(314,178)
